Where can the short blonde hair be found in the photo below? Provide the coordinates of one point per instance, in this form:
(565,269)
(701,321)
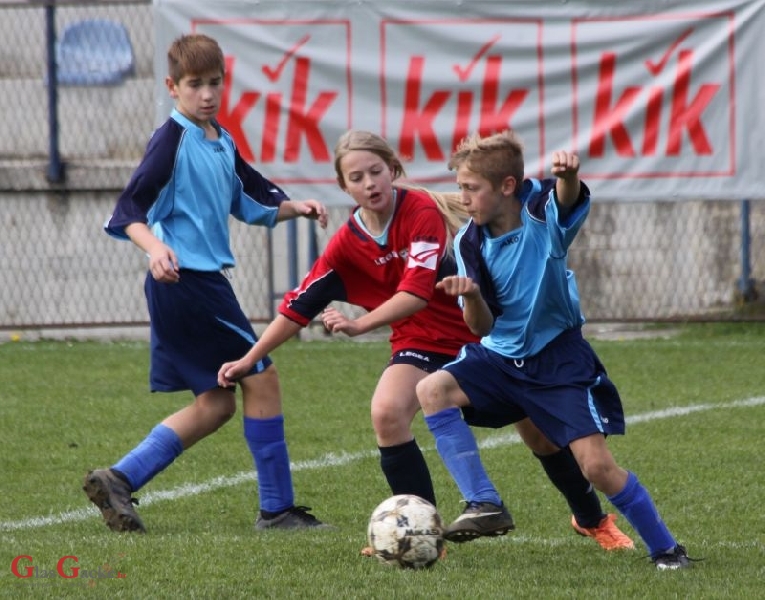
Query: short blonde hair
(494,157)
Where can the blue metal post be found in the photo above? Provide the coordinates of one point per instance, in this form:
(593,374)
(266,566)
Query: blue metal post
(746,283)
(313,243)
(55,172)
(292,250)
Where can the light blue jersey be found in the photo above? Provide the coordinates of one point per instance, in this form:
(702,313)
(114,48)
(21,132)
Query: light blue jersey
(185,189)
(523,273)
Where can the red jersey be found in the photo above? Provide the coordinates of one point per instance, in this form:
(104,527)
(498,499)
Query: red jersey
(354,268)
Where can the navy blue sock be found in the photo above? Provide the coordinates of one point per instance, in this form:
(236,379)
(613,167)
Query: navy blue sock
(407,472)
(635,503)
(565,474)
(154,454)
(459,451)
(265,438)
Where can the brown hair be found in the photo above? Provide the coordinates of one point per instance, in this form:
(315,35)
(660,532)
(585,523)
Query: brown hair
(194,54)
(449,203)
(494,157)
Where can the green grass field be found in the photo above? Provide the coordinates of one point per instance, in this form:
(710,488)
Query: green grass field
(696,416)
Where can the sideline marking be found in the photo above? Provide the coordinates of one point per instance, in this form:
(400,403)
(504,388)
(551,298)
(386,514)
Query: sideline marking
(336,460)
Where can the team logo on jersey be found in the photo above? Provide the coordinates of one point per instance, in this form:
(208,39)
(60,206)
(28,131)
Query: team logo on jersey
(423,254)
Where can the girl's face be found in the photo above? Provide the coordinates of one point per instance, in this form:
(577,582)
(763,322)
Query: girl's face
(197,97)
(485,204)
(368,179)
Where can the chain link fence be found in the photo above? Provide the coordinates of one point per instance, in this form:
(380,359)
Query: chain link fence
(639,261)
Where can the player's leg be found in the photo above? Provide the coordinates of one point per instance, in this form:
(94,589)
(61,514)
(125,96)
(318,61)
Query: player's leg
(441,397)
(588,518)
(111,489)
(264,434)
(631,498)
(185,348)
(393,408)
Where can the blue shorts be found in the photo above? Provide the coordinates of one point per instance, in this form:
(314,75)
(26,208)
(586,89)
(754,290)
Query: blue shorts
(196,326)
(564,389)
(424,360)
(428,361)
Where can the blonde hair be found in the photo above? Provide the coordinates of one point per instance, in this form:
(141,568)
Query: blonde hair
(194,54)
(449,203)
(494,157)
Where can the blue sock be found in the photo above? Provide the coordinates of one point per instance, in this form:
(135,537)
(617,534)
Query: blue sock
(459,451)
(265,438)
(154,454)
(635,503)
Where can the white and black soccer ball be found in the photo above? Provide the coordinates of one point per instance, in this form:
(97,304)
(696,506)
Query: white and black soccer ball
(406,531)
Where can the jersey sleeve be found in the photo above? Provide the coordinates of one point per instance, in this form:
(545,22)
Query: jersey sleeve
(427,235)
(152,175)
(258,199)
(563,232)
(470,263)
(320,286)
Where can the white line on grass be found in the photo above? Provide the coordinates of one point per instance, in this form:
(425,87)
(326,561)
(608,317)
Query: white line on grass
(336,460)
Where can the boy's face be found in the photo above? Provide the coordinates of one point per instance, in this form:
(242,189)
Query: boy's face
(483,202)
(197,97)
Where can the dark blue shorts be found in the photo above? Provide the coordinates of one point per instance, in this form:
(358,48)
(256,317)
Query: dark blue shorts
(564,389)
(196,326)
(428,361)
(422,359)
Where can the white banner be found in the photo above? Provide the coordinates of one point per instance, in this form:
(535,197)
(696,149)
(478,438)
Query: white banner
(661,99)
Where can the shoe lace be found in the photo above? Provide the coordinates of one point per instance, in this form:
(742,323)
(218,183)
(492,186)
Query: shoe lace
(609,531)
(676,553)
(472,506)
(302,513)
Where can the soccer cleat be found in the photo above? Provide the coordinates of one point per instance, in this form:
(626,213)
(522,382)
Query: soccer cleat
(677,558)
(479,519)
(607,534)
(112,495)
(296,517)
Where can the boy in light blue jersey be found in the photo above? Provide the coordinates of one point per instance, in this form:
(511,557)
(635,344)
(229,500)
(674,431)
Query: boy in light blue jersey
(516,291)
(176,208)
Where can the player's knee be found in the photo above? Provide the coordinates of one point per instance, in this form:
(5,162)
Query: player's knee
(431,394)
(216,410)
(598,471)
(390,425)
(268,381)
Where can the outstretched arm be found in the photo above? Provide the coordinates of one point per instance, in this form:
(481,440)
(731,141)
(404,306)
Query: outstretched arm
(475,311)
(278,331)
(397,307)
(565,166)
(311,209)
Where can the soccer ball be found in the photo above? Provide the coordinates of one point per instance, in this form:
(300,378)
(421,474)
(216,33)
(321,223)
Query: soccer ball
(406,531)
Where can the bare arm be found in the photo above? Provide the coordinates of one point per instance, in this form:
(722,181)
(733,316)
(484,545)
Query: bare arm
(565,166)
(397,307)
(278,331)
(163,263)
(311,209)
(475,311)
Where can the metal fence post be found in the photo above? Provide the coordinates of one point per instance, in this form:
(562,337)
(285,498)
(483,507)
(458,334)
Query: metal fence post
(746,286)
(55,173)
